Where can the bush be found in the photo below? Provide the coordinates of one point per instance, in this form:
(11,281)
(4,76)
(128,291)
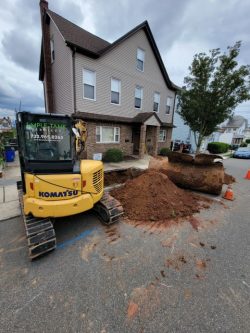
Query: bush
(165,151)
(113,155)
(243,144)
(247,140)
(217,147)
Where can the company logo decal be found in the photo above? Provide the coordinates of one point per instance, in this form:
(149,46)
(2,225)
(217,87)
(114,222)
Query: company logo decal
(67,193)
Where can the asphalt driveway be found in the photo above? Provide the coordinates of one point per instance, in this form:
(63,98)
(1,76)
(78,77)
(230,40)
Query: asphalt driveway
(128,278)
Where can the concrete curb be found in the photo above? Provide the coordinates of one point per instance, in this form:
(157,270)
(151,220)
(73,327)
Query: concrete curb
(9,218)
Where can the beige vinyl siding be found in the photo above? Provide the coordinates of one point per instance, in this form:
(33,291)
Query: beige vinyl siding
(120,63)
(62,78)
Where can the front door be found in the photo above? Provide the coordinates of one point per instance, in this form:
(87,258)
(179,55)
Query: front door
(136,140)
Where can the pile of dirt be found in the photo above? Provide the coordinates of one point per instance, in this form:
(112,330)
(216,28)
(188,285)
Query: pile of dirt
(152,196)
(200,173)
(229,179)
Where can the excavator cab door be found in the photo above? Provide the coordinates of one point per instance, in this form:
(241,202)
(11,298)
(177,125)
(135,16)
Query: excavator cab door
(45,142)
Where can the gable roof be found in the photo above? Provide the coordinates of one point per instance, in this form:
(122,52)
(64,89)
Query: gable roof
(236,121)
(93,46)
(144,116)
(78,37)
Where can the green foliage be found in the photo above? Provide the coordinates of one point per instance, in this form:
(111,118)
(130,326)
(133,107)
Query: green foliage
(4,139)
(214,87)
(113,155)
(217,147)
(165,151)
(247,141)
(2,154)
(243,144)
(8,135)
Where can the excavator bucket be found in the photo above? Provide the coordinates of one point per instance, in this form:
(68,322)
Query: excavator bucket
(204,173)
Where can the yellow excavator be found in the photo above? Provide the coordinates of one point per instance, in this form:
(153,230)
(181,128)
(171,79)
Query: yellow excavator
(55,181)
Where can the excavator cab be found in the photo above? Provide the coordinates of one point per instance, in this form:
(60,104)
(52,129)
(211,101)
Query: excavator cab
(45,142)
(54,182)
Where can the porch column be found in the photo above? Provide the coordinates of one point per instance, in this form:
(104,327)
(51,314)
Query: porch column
(156,139)
(142,140)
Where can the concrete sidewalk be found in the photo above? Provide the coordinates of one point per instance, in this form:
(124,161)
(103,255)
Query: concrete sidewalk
(9,202)
(136,163)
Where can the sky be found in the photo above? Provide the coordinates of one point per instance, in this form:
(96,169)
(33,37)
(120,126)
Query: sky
(181,28)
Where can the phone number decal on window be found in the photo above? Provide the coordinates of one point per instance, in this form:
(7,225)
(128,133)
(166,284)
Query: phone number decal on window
(46,137)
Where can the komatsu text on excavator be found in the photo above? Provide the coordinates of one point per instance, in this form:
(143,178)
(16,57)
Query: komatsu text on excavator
(55,181)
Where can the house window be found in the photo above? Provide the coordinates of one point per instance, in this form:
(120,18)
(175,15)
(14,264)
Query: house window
(115,91)
(169,103)
(89,84)
(162,135)
(140,60)
(156,106)
(138,97)
(107,134)
(52,51)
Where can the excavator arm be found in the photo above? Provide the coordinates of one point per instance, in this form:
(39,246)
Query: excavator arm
(81,137)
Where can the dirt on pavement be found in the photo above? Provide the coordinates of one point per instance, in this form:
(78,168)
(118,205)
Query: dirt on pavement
(152,196)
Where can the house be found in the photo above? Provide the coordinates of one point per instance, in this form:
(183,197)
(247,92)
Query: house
(234,130)
(247,133)
(121,89)
(5,124)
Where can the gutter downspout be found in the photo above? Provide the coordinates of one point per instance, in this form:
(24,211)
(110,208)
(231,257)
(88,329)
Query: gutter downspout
(173,118)
(174,108)
(74,78)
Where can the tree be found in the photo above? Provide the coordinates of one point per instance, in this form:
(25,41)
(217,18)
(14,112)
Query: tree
(216,84)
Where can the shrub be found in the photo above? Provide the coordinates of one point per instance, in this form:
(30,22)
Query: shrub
(217,147)
(247,141)
(243,144)
(113,155)
(165,151)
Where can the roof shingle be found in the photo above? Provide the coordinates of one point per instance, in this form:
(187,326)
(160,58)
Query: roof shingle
(236,121)
(138,119)
(78,36)
(93,46)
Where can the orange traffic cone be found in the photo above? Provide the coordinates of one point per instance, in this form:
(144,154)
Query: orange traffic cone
(247,176)
(229,195)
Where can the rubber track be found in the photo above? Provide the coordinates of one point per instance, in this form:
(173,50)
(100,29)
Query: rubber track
(108,209)
(40,232)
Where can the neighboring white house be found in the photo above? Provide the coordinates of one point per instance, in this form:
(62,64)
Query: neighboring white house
(247,133)
(182,132)
(5,124)
(234,131)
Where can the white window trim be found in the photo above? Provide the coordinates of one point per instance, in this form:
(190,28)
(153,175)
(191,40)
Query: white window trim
(165,131)
(120,92)
(109,142)
(89,99)
(156,92)
(138,48)
(170,106)
(141,97)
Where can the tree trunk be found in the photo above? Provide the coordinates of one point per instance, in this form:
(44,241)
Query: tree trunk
(198,145)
